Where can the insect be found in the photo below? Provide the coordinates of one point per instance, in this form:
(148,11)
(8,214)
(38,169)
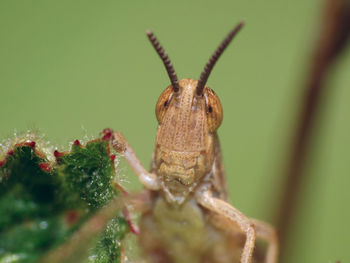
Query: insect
(187,217)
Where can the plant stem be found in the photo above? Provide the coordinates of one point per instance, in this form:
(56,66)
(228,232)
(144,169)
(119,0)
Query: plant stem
(334,34)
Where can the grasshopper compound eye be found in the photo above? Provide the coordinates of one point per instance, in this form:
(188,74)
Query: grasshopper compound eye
(163,103)
(214,109)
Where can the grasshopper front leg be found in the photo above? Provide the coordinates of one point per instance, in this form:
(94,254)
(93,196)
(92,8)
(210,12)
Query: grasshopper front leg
(149,180)
(205,199)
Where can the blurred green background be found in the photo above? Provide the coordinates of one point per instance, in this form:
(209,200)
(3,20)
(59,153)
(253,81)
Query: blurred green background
(71,68)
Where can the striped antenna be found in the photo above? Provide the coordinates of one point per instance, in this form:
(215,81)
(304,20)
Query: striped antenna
(164,57)
(211,62)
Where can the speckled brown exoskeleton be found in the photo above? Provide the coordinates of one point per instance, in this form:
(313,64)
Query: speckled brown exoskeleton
(187,216)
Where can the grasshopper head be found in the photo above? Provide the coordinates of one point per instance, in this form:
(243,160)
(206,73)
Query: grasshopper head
(184,144)
(188,113)
(185,118)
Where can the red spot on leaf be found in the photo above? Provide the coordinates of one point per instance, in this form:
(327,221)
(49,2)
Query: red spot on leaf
(77,143)
(112,156)
(31,144)
(107,134)
(10,152)
(46,167)
(58,154)
(2,162)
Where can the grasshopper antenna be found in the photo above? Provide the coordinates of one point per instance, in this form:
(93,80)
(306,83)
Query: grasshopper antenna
(167,63)
(211,62)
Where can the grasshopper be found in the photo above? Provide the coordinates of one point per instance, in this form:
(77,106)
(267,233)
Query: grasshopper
(187,216)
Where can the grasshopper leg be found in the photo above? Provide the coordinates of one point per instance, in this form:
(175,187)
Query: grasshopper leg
(267,233)
(149,180)
(223,208)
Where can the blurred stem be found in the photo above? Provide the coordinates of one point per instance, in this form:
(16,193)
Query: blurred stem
(334,33)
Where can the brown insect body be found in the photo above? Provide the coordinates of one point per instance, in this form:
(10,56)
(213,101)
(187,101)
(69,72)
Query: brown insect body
(188,217)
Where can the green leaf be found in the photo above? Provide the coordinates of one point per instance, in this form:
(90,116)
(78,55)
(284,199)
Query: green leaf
(89,171)
(43,203)
(108,248)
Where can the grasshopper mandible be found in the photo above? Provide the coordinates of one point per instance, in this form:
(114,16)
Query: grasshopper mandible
(187,217)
